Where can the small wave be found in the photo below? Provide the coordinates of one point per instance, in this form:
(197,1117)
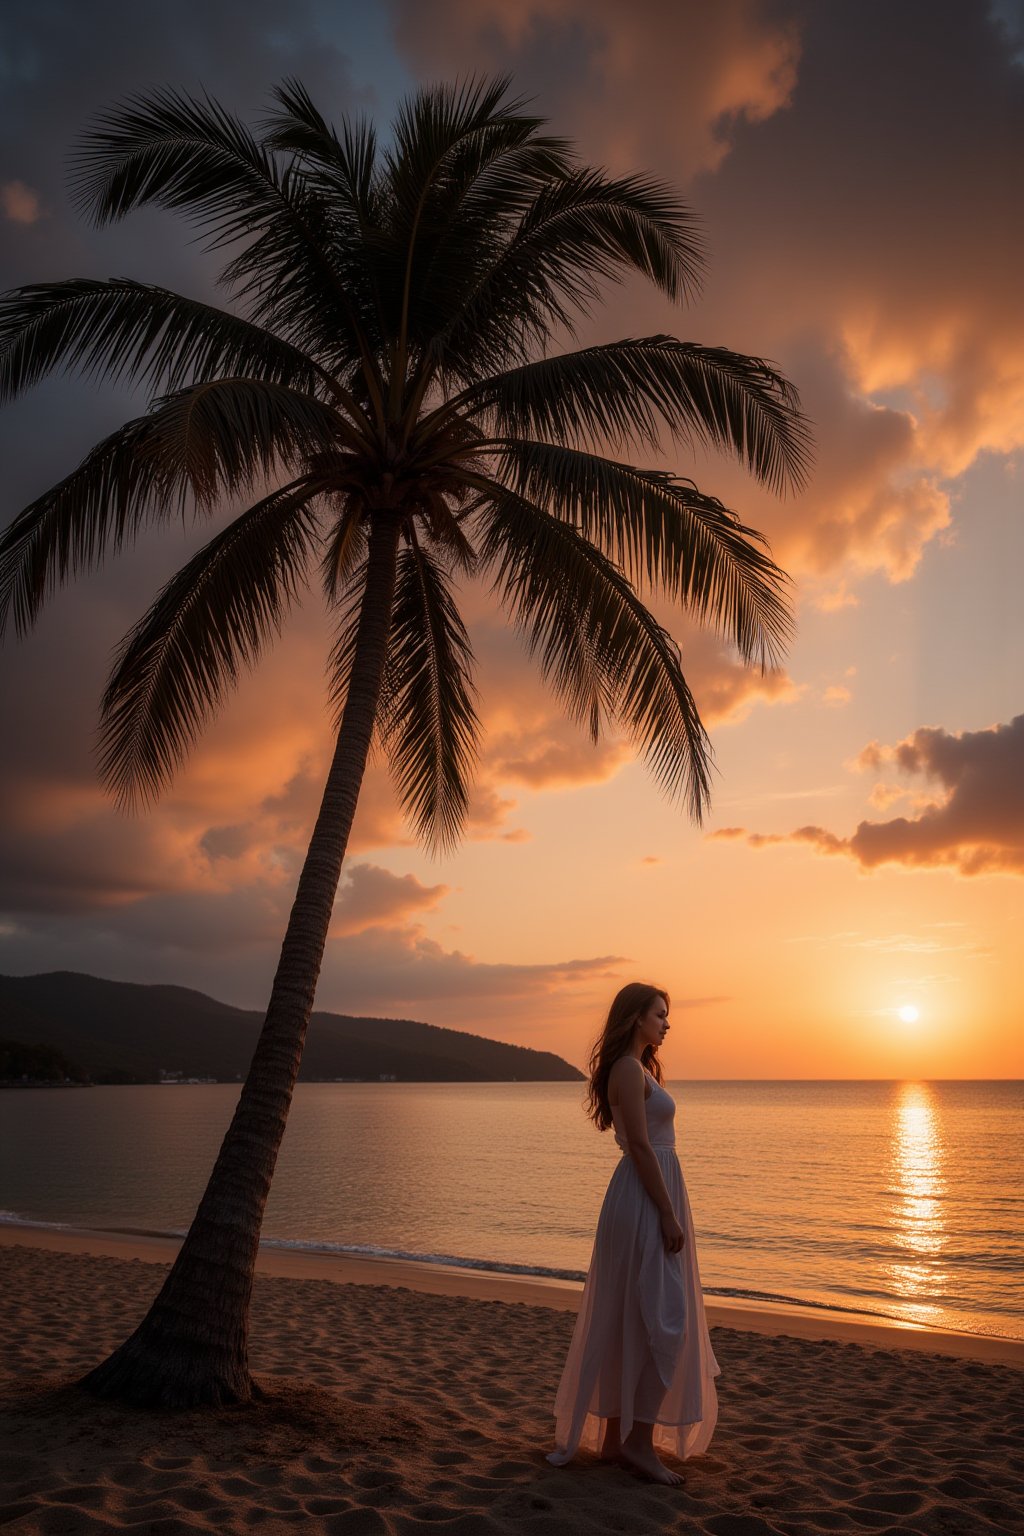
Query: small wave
(313,1245)
(15,1219)
(780,1299)
(448,1260)
(494,1267)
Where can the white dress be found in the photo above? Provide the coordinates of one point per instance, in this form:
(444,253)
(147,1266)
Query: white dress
(640,1350)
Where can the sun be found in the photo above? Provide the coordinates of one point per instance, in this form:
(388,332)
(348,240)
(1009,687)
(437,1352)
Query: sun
(909,1013)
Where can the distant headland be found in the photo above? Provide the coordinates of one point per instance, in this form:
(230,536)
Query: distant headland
(66,1025)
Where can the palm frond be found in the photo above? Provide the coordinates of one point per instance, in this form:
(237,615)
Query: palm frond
(347,161)
(442,519)
(99,507)
(432,132)
(341,171)
(431,127)
(305,277)
(486,163)
(346,549)
(217,438)
(136,332)
(626,391)
(429,726)
(597,644)
(580,231)
(224,435)
(213,618)
(667,535)
(495,177)
(179,152)
(192,156)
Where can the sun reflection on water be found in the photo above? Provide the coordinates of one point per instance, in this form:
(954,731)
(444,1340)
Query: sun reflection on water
(918,1185)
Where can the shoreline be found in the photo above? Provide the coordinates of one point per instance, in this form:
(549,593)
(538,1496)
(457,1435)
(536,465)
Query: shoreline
(770,1319)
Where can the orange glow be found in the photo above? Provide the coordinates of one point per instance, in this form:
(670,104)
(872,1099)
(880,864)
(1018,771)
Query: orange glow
(917,1163)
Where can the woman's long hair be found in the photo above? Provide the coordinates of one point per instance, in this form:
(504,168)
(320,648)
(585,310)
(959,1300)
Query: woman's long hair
(615,1040)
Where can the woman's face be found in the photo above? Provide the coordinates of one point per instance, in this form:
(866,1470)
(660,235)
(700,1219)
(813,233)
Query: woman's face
(652,1026)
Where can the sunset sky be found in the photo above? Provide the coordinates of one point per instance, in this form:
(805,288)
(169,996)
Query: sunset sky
(856,169)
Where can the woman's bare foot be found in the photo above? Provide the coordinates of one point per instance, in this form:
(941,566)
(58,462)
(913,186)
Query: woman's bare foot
(611,1446)
(643,1460)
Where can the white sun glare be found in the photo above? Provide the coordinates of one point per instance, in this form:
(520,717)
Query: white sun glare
(909,1014)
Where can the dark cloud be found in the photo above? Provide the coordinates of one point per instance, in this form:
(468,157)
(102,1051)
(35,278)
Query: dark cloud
(865,238)
(226,842)
(61,847)
(407,967)
(680,76)
(975,827)
(228,946)
(861,232)
(63,62)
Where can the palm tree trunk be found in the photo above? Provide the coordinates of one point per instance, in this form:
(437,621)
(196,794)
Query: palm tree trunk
(192,1345)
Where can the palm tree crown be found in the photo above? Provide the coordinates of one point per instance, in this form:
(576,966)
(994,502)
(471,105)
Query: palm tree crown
(385,396)
(391,358)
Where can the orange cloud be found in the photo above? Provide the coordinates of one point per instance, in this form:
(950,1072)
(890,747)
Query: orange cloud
(543,761)
(727,689)
(667,88)
(825,173)
(393,969)
(835,599)
(825,842)
(20,203)
(874,757)
(528,739)
(976,827)
(858,260)
(874,502)
(687,76)
(371,897)
(240,813)
(884,795)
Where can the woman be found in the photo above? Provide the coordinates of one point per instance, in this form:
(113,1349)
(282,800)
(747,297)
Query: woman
(640,1372)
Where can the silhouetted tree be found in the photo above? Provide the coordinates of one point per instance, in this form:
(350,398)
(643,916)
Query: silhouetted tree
(385,395)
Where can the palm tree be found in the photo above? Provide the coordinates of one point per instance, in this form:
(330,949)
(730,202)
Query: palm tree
(384,395)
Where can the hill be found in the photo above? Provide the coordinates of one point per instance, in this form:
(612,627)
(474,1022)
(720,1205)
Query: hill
(120,1030)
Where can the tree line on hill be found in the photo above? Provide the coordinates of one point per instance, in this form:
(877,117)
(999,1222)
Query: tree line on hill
(21,1063)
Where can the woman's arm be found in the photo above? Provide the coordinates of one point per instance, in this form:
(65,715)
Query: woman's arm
(628,1083)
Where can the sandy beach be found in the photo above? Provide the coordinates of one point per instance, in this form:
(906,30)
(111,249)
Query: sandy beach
(397,1402)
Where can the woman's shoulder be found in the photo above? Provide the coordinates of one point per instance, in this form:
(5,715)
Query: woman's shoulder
(627,1080)
(626,1069)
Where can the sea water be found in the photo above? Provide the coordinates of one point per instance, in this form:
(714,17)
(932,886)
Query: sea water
(901,1200)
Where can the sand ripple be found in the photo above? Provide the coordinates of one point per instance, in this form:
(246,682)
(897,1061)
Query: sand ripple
(386,1412)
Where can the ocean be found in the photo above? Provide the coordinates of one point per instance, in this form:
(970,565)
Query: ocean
(897,1200)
